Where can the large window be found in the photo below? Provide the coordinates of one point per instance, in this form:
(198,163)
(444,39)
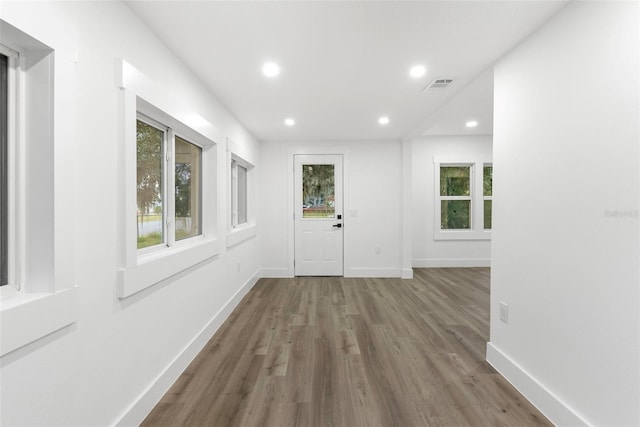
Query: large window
(464,193)
(169,206)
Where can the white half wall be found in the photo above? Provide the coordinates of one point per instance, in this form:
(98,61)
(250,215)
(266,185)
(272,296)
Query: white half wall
(428,252)
(565,231)
(372,206)
(120,355)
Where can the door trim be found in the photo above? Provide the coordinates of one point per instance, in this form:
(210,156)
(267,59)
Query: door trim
(316,149)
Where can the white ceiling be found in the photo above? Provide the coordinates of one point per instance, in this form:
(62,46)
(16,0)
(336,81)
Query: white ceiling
(344,64)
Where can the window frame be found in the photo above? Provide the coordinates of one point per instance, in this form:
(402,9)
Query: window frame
(170,134)
(476,197)
(8,110)
(468,198)
(237,163)
(238,233)
(141,269)
(486,198)
(41,287)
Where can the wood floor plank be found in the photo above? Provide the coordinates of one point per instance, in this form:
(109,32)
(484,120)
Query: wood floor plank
(351,352)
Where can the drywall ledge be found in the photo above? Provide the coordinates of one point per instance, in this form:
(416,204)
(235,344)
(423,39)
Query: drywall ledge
(53,312)
(558,412)
(137,412)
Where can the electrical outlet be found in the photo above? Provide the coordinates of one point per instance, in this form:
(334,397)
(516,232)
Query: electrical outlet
(504,312)
(377,250)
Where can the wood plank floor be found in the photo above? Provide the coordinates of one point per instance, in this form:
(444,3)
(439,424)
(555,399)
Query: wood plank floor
(351,352)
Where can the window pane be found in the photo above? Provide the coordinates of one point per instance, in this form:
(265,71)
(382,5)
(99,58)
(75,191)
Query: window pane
(234,196)
(487,180)
(455,214)
(487,214)
(318,191)
(455,180)
(4,166)
(187,201)
(150,196)
(242,194)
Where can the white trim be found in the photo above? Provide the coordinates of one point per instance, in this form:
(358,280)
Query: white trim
(54,311)
(240,234)
(407,273)
(559,412)
(380,273)
(277,273)
(451,262)
(161,265)
(143,405)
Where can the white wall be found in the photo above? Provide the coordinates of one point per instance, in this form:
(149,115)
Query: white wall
(428,252)
(565,237)
(372,190)
(104,367)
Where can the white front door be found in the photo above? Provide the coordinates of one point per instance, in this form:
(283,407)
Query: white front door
(318,215)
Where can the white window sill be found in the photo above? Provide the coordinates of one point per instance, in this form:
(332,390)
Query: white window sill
(159,265)
(240,234)
(25,318)
(462,235)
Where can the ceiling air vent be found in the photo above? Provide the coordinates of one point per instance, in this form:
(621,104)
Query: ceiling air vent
(438,84)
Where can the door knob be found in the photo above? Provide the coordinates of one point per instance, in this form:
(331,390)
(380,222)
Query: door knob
(339,225)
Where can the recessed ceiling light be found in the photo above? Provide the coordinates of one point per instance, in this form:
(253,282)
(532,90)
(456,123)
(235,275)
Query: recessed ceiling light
(270,69)
(417,71)
(289,122)
(384,120)
(471,124)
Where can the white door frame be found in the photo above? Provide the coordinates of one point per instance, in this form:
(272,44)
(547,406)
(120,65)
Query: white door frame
(316,149)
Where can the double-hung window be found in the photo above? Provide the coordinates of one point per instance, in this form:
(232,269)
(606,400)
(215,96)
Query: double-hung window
(168,185)
(463,200)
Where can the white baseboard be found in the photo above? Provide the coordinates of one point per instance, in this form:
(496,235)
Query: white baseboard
(276,273)
(451,262)
(137,412)
(373,272)
(407,273)
(558,412)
